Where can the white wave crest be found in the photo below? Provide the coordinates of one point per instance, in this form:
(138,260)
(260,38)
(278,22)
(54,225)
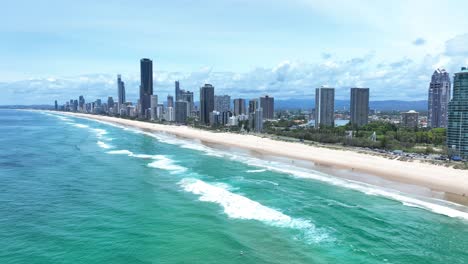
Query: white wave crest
(165,163)
(100,132)
(80,125)
(240,207)
(256,171)
(103,145)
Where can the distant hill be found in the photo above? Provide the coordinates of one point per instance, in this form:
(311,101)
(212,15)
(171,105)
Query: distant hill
(389,105)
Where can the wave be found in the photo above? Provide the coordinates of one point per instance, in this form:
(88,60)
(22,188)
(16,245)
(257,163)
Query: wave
(103,145)
(80,125)
(100,132)
(161,162)
(165,163)
(434,206)
(256,171)
(240,207)
(439,207)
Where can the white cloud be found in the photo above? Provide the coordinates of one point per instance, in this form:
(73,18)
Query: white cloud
(401,79)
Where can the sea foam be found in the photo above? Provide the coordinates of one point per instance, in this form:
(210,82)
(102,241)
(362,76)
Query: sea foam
(103,145)
(161,162)
(240,207)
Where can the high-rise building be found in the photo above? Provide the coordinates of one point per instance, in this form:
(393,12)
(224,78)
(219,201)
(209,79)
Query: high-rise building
(222,103)
(170,101)
(457,129)
(187,96)
(410,119)
(359,106)
(75,105)
(154,107)
(56,105)
(177,91)
(110,102)
(81,103)
(324,107)
(267,104)
(120,90)
(239,106)
(253,105)
(146,85)
(439,98)
(258,120)
(181,112)
(169,114)
(206,103)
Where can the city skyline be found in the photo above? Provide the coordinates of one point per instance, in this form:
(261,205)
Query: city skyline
(397,63)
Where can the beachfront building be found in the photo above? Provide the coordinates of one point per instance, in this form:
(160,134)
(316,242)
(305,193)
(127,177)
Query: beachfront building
(239,106)
(258,120)
(120,90)
(154,107)
(170,101)
(439,98)
(324,107)
(146,85)
(206,103)
(359,106)
(222,103)
(410,119)
(181,112)
(267,104)
(253,105)
(457,129)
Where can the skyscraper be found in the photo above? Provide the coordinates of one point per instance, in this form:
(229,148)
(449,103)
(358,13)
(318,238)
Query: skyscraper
(239,106)
(324,107)
(177,91)
(222,103)
(258,120)
(206,103)
(146,85)
(181,112)
(56,105)
(120,90)
(110,102)
(359,106)
(267,104)
(170,101)
(457,129)
(253,105)
(439,98)
(154,107)
(81,103)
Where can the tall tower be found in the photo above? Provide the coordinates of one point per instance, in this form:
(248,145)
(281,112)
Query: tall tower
(146,85)
(177,91)
(359,106)
(206,103)
(457,129)
(120,90)
(324,107)
(239,106)
(267,104)
(439,98)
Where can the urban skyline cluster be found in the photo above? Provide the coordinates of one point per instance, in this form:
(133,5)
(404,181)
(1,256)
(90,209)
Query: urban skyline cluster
(215,110)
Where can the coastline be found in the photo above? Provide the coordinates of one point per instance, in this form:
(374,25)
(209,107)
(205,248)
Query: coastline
(436,178)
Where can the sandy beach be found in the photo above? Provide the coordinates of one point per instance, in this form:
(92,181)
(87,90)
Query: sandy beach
(434,177)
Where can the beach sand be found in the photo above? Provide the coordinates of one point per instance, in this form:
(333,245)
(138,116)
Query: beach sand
(454,182)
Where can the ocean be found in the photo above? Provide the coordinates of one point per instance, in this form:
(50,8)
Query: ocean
(74,190)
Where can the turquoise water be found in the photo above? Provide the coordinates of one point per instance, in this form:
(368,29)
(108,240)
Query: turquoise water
(78,191)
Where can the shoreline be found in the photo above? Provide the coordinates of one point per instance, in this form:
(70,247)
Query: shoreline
(436,178)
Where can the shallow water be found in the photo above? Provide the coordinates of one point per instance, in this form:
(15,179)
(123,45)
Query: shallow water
(79,191)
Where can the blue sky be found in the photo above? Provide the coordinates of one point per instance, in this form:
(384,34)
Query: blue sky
(63,49)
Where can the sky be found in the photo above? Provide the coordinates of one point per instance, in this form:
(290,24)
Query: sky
(60,49)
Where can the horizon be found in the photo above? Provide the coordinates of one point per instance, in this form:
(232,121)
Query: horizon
(394,53)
